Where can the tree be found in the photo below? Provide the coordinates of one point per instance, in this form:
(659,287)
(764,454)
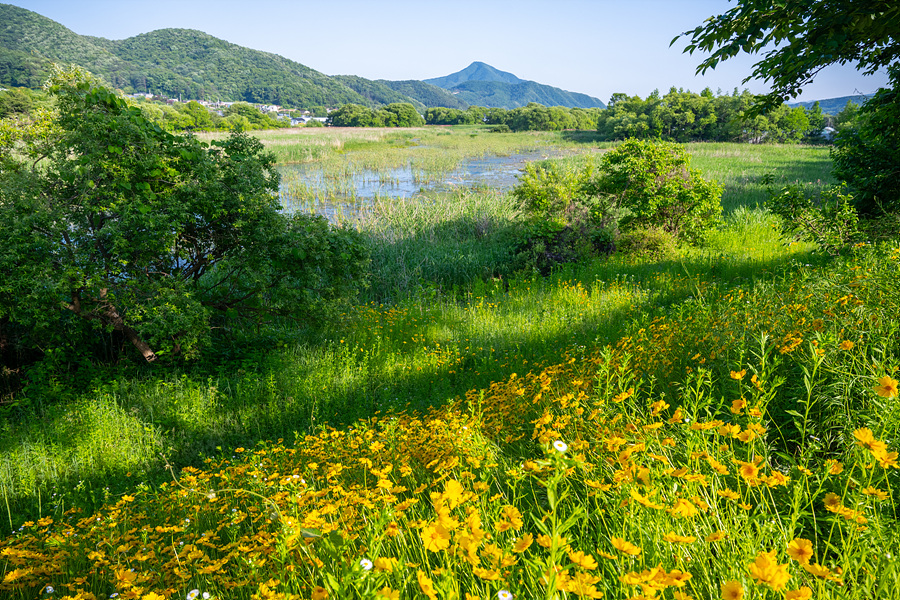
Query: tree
(403,114)
(111,225)
(798,38)
(352,115)
(867,156)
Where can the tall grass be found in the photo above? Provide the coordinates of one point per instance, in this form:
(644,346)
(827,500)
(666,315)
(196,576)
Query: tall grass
(741,168)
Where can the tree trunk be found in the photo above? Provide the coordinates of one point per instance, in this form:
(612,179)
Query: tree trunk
(110,316)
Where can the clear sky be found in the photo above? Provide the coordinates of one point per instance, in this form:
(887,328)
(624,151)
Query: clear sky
(595,47)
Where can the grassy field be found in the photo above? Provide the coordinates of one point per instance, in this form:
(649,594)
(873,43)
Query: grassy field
(723,423)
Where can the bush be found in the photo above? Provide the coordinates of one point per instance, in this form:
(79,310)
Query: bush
(654,182)
(565,222)
(647,243)
(829,220)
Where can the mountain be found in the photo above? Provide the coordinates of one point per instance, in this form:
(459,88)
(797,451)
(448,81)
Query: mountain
(426,93)
(172,62)
(477,71)
(191,64)
(833,106)
(483,85)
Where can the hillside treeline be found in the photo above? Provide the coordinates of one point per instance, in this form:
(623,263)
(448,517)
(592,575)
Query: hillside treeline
(678,116)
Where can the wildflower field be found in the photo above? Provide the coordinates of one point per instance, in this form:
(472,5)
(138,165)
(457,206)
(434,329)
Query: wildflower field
(720,424)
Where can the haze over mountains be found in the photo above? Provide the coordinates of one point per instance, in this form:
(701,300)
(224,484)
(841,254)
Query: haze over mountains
(191,64)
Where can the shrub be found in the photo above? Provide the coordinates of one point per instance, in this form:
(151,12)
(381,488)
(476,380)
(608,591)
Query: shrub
(654,182)
(647,243)
(829,220)
(566,223)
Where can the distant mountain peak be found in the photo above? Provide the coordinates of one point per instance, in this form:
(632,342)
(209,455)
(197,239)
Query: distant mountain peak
(483,85)
(477,71)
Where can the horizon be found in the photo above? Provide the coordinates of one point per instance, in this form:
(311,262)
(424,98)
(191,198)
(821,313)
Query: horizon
(402,40)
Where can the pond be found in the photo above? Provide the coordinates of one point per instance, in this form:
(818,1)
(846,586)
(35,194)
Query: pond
(306,187)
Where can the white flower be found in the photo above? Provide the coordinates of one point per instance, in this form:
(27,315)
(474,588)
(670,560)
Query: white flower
(192,595)
(205,595)
(366,564)
(560,447)
(504,594)
(49,589)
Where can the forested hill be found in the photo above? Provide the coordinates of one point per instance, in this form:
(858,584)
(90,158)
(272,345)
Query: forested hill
(29,41)
(173,62)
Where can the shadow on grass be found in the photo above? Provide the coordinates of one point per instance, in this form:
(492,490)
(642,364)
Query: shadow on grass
(266,395)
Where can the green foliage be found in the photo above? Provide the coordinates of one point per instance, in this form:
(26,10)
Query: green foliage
(173,62)
(145,236)
(555,194)
(683,116)
(847,118)
(15,101)
(424,94)
(567,221)
(867,157)
(648,244)
(798,38)
(439,115)
(400,114)
(654,182)
(829,220)
(393,115)
(353,115)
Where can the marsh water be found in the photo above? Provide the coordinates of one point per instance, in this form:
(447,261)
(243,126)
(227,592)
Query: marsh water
(306,187)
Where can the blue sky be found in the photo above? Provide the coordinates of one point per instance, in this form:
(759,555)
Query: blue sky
(595,47)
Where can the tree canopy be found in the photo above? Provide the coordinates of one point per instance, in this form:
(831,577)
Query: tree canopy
(798,38)
(111,224)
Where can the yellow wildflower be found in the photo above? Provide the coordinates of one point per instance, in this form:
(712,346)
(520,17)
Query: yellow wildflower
(765,569)
(435,537)
(732,590)
(803,593)
(426,585)
(384,563)
(715,536)
(523,543)
(625,546)
(886,387)
(801,550)
(683,508)
(585,561)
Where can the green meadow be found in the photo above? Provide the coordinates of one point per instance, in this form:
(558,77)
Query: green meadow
(719,423)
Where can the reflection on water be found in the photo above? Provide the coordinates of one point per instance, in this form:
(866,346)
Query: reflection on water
(305,187)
